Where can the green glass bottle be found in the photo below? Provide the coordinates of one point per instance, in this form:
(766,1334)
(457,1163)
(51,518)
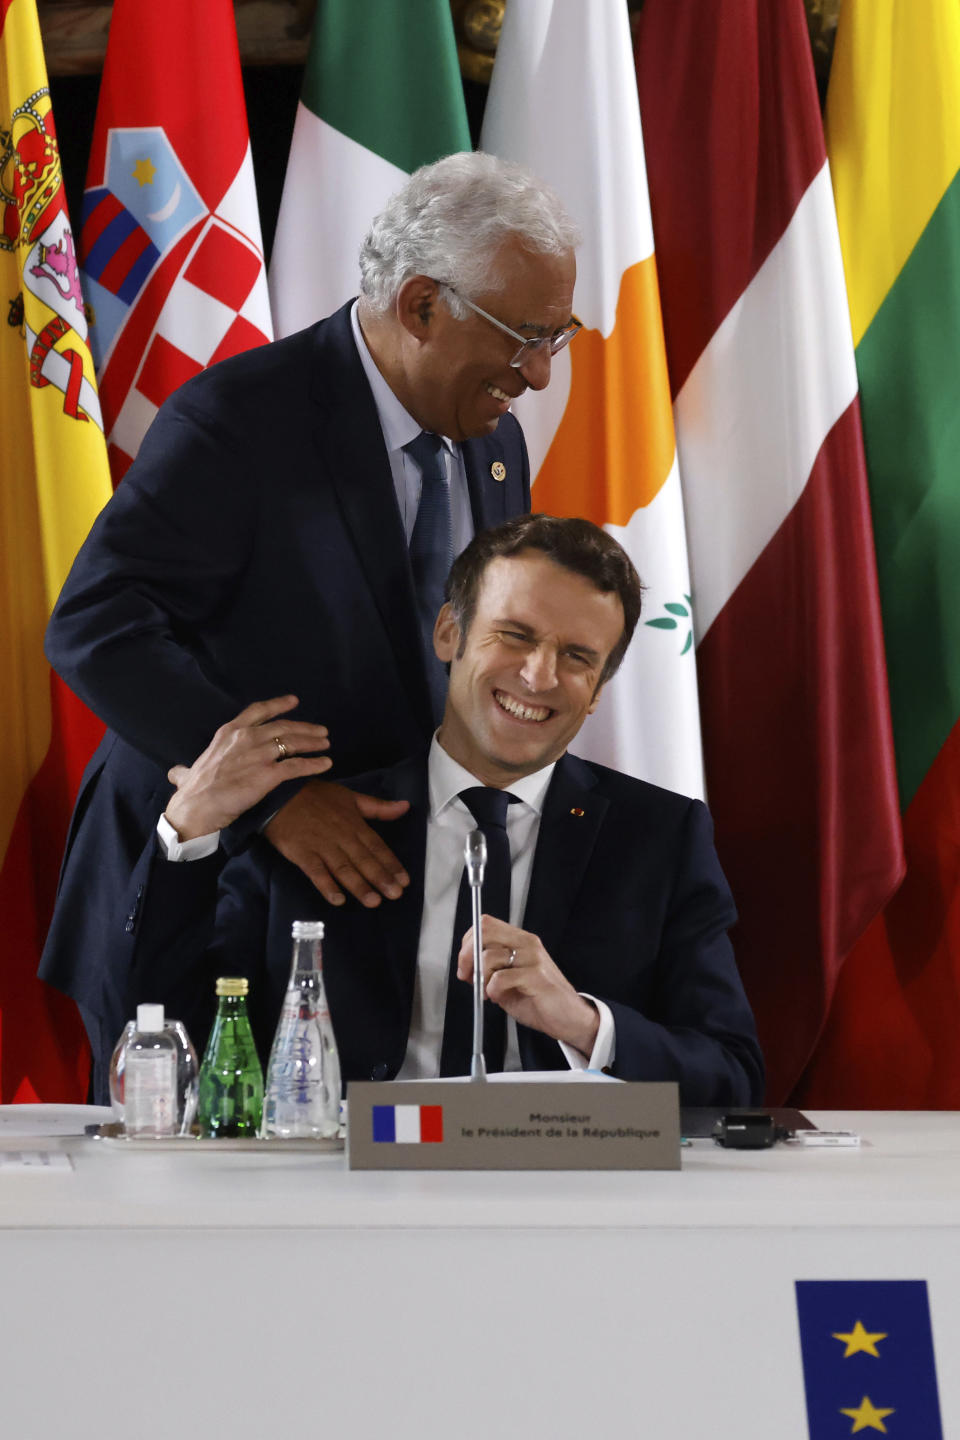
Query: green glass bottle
(230,1102)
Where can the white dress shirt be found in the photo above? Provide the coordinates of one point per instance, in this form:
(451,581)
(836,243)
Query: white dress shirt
(448,824)
(399,428)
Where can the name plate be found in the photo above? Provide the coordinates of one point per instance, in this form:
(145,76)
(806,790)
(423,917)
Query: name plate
(535,1125)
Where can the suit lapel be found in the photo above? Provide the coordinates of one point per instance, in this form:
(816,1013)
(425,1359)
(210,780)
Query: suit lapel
(488,496)
(572,816)
(571,820)
(354,459)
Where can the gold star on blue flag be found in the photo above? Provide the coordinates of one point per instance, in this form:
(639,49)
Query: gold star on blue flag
(868,1362)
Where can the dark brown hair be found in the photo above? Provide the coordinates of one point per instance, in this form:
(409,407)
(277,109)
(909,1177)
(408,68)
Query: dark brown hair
(576,545)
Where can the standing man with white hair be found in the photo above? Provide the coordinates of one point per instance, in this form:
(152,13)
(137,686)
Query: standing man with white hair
(287,524)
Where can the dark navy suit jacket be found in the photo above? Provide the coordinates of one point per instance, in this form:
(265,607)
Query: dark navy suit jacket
(626,894)
(254,549)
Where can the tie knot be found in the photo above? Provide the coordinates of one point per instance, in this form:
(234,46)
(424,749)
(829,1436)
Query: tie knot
(487,805)
(425,449)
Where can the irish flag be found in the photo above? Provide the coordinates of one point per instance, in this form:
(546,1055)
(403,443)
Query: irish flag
(53,480)
(563,102)
(796,723)
(893,134)
(381,96)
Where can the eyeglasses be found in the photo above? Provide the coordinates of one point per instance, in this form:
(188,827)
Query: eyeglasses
(528,348)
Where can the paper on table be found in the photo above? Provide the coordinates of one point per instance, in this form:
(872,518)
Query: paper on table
(510,1077)
(35,1160)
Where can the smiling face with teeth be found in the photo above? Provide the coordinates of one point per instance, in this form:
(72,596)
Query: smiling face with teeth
(454,375)
(527,674)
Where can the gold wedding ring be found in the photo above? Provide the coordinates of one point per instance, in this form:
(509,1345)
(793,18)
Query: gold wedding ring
(280,746)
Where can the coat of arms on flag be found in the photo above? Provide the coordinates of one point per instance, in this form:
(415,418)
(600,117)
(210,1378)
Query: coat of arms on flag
(34,220)
(53,480)
(130,223)
(170,249)
(172,288)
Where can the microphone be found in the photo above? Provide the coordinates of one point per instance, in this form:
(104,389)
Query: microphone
(475,860)
(475,856)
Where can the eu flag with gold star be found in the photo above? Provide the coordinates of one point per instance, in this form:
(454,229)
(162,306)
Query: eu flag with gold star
(868,1363)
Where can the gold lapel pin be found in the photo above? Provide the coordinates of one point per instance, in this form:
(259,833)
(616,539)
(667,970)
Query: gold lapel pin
(577,811)
(498,470)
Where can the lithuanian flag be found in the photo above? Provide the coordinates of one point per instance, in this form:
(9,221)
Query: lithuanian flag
(893,136)
(53,480)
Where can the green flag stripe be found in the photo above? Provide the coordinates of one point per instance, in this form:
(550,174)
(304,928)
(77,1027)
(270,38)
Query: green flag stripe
(909,367)
(386,74)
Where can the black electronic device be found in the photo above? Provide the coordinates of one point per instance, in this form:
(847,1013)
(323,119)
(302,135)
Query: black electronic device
(757,1131)
(700,1122)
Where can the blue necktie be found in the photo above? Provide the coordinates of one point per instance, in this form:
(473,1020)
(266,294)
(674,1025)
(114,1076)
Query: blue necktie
(431,555)
(489,808)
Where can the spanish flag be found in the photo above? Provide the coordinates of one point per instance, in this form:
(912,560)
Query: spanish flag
(53,480)
(563,102)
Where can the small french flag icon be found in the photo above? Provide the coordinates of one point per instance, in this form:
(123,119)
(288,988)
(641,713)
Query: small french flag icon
(408,1124)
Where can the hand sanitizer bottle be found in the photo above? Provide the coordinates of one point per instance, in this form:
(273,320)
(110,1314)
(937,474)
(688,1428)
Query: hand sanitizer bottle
(186,1072)
(302,1095)
(150,1078)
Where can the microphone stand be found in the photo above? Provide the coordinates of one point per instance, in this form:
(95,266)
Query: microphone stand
(475,859)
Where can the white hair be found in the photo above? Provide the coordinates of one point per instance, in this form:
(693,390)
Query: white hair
(449,221)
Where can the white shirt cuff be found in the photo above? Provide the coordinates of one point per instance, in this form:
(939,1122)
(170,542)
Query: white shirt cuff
(176,849)
(604,1047)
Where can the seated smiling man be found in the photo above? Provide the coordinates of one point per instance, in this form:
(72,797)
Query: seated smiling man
(605,942)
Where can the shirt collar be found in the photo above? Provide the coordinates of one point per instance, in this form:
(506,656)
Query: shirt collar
(396,422)
(447,778)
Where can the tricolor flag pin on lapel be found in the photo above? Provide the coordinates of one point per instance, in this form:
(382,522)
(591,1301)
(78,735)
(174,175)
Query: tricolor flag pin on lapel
(408,1124)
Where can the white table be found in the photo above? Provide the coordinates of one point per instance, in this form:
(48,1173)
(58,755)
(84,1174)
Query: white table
(215,1294)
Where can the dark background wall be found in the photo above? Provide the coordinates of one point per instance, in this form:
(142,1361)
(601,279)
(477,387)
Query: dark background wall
(272,93)
(75,38)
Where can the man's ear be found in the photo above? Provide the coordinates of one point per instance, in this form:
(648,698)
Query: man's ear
(416,304)
(596,698)
(446,635)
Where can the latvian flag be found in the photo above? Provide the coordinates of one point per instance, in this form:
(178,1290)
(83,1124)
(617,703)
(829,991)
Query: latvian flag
(797,740)
(407,1124)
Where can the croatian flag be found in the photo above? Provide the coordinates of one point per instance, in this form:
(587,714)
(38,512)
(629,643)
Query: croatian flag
(408,1124)
(170,244)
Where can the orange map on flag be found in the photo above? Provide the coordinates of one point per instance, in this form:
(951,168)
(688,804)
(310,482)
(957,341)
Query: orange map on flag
(631,446)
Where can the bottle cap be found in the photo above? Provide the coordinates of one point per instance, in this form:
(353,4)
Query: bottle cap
(308,929)
(232,985)
(149,1018)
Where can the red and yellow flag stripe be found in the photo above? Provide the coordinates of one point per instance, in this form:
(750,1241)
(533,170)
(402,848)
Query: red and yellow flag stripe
(54,480)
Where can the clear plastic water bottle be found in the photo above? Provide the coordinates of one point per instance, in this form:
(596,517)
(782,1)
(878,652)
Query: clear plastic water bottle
(302,1098)
(230,1101)
(150,1078)
(186,1073)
